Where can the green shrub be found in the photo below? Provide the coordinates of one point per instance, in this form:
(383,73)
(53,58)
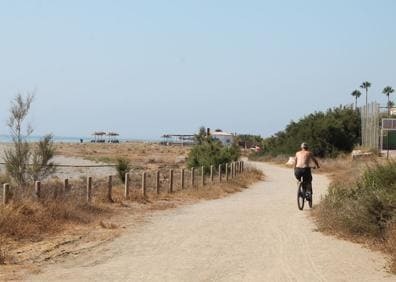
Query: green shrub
(328,133)
(211,152)
(122,168)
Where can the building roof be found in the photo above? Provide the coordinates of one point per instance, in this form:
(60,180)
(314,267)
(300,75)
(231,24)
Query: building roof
(220,133)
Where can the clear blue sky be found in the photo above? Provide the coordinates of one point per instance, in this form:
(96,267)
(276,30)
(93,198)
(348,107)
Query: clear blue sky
(144,68)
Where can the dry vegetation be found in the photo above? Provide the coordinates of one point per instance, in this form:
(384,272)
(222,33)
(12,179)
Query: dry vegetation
(147,155)
(29,221)
(360,203)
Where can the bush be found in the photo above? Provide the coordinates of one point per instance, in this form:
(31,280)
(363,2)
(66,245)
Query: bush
(328,133)
(122,168)
(212,152)
(367,208)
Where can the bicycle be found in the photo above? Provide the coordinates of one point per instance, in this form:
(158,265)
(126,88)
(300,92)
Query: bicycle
(303,195)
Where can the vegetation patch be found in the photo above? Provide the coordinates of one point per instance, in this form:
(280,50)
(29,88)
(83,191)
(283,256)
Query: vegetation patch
(328,133)
(364,208)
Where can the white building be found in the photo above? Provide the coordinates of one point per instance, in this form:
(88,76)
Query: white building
(223,137)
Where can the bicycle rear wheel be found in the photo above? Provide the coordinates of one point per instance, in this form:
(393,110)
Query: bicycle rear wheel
(310,202)
(300,196)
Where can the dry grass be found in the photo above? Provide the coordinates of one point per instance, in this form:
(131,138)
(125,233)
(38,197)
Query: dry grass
(356,208)
(27,220)
(149,156)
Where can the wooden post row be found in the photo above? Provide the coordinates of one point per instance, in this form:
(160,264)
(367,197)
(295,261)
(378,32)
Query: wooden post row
(202,175)
(37,189)
(66,185)
(89,188)
(182,178)
(6,193)
(126,184)
(144,193)
(110,188)
(192,177)
(219,172)
(171,181)
(157,181)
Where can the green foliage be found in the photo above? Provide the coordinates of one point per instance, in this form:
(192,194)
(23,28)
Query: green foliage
(328,133)
(367,208)
(122,168)
(211,152)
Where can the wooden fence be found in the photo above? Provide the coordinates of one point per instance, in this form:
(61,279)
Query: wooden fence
(159,181)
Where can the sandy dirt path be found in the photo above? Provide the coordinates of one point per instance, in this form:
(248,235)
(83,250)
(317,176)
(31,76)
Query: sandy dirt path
(255,235)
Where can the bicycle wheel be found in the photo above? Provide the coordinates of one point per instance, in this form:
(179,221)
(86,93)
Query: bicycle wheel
(310,202)
(300,196)
(309,196)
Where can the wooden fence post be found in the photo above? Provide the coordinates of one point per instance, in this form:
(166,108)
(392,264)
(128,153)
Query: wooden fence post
(110,188)
(219,173)
(171,181)
(182,178)
(202,175)
(211,173)
(126,188)
(157,181)
(37,189)
(144,184)
(66,185)
(237,168)
(226,171)
(6,193)
(89,188)
(243,166)
(192,177)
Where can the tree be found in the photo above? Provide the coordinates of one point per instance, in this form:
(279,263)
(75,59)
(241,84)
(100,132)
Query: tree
(42,166)
(356,93)
(328,133)
(17,157)
(209,151)
(366,85)
(387,91)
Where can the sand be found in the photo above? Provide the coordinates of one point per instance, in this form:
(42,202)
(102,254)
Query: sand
(255,235)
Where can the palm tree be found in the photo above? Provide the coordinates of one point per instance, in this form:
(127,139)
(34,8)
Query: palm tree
(366,85)
(387,91)
(356,93)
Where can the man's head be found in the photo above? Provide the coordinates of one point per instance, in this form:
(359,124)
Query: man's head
(304,146)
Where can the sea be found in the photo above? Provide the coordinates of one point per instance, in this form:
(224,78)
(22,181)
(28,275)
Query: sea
(65,139)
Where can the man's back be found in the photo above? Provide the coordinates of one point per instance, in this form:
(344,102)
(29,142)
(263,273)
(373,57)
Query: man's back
(303,158)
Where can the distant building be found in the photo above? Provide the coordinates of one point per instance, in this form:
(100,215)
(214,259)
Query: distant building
(224,137)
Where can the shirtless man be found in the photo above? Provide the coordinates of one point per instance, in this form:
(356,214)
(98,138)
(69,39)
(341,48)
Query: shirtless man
(302,168)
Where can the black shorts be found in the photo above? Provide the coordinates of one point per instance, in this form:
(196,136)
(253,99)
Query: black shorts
(303,174)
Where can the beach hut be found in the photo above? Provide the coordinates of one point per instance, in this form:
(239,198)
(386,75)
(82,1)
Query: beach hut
(98,137)
(112,137)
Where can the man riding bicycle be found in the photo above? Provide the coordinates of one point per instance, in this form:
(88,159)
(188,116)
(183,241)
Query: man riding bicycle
(302,170)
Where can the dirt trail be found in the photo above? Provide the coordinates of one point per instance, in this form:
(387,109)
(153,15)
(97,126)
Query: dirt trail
(256,235)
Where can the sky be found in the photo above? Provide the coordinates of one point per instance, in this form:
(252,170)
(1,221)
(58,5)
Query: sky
(145,68)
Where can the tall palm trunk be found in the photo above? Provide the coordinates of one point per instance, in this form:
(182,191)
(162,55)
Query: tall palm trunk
(388,106)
